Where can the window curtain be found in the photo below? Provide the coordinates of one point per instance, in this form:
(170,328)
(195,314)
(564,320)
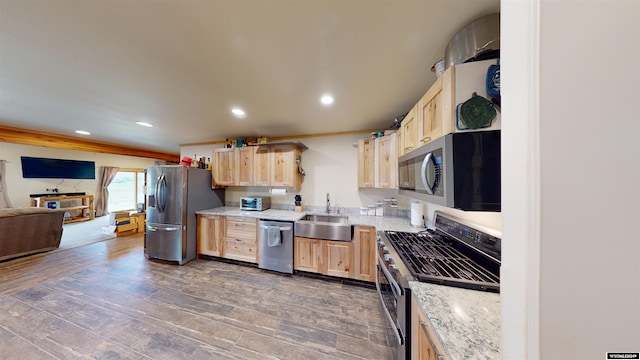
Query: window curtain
(107,173)
(4,199)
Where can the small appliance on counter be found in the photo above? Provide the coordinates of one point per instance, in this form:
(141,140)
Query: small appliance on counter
(255,203)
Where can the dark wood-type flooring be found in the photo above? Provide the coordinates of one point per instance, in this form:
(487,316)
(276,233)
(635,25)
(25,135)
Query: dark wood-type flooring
(106,301)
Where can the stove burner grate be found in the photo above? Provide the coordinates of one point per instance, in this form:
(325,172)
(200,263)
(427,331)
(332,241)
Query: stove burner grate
(436,258)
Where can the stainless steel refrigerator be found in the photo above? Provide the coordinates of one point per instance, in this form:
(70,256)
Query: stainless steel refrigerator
(174,194)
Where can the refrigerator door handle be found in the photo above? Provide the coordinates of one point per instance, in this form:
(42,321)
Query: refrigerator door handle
(155,228)
(161,193)
(157,192)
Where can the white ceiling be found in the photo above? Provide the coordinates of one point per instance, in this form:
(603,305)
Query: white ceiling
(100,66)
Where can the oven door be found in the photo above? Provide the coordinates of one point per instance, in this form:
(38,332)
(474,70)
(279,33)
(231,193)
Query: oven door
(391,295)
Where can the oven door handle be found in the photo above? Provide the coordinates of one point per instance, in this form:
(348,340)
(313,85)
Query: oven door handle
(394,327)
(398,291)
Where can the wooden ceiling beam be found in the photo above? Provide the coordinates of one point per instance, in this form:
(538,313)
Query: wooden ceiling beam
(37,138)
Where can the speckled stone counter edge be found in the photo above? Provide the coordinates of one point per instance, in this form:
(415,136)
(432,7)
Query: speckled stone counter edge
(467,322)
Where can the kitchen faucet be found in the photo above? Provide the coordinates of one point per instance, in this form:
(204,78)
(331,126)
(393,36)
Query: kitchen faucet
(328,203)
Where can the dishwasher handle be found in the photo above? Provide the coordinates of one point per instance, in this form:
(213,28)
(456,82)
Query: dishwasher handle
(266,227)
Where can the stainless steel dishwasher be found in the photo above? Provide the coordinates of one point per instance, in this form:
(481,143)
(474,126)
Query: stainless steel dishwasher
(275,246)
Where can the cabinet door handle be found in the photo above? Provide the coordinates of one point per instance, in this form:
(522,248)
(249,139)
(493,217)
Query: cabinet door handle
(434,345)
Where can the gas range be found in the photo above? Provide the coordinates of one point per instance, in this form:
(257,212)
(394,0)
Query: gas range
(455,253)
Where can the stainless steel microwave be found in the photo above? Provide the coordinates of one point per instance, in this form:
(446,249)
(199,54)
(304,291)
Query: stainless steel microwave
(459,170)
(255,203)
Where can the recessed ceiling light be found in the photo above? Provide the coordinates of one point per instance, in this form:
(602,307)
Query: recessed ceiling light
(142,123)
(326,99)
(238,112)
(82,132)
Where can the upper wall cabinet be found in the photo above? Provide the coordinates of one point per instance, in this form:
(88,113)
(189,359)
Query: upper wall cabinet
(276,165)
(366,163)
(244,166)
(386,161)
(434,107)
(284,166)
(408,132)
(435,113)
(262,159)
(378,162)
(224,166)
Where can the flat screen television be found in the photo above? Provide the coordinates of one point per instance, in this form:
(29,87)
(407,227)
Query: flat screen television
(33,167)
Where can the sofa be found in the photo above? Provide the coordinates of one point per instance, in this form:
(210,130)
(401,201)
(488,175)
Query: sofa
(29,230)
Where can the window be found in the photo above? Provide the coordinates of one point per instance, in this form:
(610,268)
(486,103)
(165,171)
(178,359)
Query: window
(126,190)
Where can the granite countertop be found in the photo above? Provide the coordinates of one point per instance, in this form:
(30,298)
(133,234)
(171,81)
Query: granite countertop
(270,214)
(467,322)
(379,222)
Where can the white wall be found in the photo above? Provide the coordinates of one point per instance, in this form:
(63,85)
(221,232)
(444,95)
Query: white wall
(19,188)
(570,285)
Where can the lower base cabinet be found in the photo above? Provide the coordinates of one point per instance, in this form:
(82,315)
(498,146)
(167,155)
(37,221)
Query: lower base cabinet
(424,345)
(307,254)
(365,259)
(323,256)
(338,259)
(210,235)
(347,259)
(241,239)
(228,237)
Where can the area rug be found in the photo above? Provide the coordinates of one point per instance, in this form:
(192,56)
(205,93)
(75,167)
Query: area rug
(86,232)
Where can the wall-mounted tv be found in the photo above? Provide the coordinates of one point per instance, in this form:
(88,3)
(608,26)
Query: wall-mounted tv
(33,167)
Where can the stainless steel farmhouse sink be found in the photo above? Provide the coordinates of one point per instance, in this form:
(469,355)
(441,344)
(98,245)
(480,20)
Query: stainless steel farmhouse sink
(343,219)
(324,226)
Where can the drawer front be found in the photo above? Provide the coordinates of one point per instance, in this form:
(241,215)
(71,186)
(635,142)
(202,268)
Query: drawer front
(239,250)
(245,230)
(241,220)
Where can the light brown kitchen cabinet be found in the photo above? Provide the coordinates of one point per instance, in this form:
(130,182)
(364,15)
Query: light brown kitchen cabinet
(276,165)
(210,235)
(337,258)
(435,114)
(364,246)
(284,167)
(425,344)
(409,131)
(262,167)
(224,167)
(241,239)
(386,162)
(244,166)
(378,162)
(400,141)
(307,254)
(327,257)
(366,163)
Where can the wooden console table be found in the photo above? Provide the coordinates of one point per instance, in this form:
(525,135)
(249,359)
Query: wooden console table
(79,207)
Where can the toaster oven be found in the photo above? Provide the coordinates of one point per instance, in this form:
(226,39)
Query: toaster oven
(255,203)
